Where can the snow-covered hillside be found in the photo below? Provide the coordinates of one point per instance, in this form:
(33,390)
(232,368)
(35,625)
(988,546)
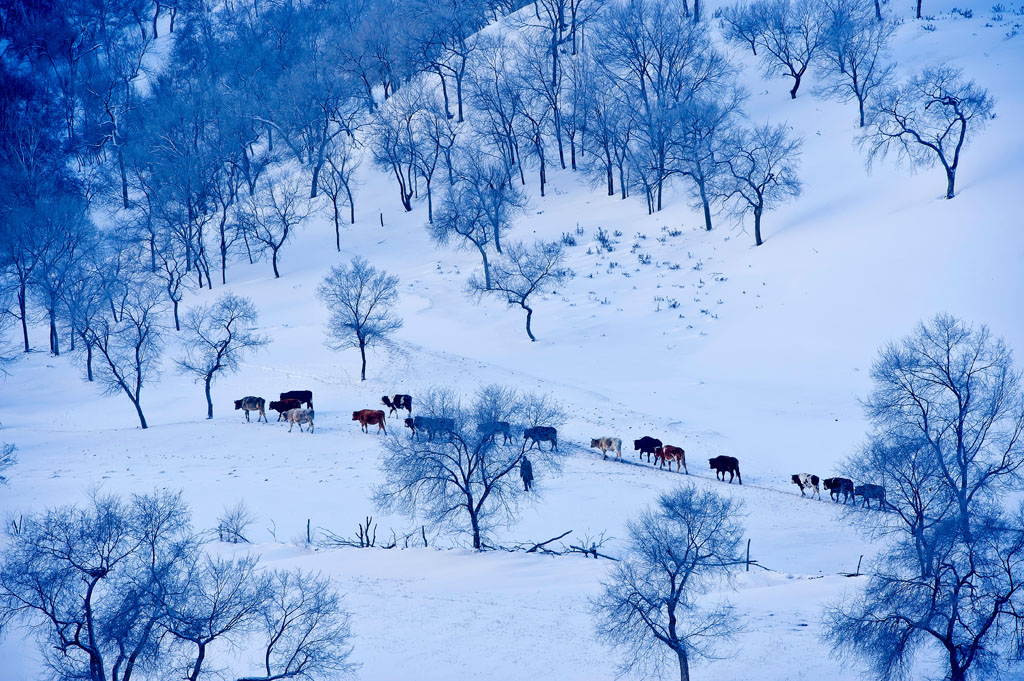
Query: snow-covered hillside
(714,345)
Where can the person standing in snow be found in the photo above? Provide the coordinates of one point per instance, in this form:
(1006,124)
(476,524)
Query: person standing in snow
(526,473)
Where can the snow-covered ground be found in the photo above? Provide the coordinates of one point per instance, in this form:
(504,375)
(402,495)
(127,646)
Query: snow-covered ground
(716,346)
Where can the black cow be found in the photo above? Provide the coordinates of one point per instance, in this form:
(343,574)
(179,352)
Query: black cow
(539,434)
(726,464)
(398,402)
(283,406)
(489,430)
(839,487)
(303,396)
(429,425)
(869,492)
(647,445)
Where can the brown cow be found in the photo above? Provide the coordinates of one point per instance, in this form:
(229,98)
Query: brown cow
(668,453)
(372,417)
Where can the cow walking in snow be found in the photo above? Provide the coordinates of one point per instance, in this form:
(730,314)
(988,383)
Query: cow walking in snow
(726,464)
(806,481)
(606,444)
(397,402)
(646,445)
(252,403)
(839,487)
(299,416)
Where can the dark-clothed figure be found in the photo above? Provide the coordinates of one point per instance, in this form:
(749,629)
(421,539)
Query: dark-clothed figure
(526,473)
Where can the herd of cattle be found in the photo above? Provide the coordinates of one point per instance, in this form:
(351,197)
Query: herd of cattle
(290,408)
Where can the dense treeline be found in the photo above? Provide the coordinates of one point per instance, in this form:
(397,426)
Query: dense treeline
(144,145)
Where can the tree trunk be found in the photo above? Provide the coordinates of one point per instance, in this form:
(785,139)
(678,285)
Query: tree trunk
(684,666)
(706,203)
(22,294)
(611,180)
(458,92)
(918,9)
(529,317)
(757,226)
(860,108)
(88,360)
(273,260)
(124,177)
(543,174)
(430,205)
(950,182)
(337,222)
(197,668)
(209,400)
(878,10)
(444,93)
(54,339)
(138,410)
(487,267)
(796,86)
(316,177)
(696,11)
(475,523)
(362,353)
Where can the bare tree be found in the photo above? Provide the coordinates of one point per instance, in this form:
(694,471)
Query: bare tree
(947,415)
(337,181)
(273,212)
(394,140)
(740,24)
(91,580)
(172,269)
(129,345)
(523,272)
(461,477)
(855,54)
(762,163)
(306,632)
(460,220)
(492,189)
(953,390)
(222,600)
(706,128)
(217,337)
(122,588)
(232,525)
(928,120)
(676,551)
(789,33)
(361,301)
